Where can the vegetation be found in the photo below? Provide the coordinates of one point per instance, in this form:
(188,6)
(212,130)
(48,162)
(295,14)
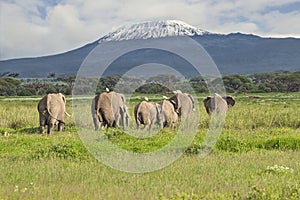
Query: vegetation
(255,83)
(255,157)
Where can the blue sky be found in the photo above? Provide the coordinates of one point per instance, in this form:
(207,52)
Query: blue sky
(30,28)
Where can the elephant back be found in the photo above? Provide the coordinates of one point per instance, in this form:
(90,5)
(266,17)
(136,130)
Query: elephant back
(182,103)
(168,114)
(218,104)
(167,108)
(56,106)
(145,111)
(104,107)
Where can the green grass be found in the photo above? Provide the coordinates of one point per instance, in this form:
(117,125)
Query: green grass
(258,134)
(218,176)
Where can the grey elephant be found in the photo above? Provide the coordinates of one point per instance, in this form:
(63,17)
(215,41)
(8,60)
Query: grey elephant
(52,110)
(169,116)
(183,104)
(109,109)
(148,114)
(218,104)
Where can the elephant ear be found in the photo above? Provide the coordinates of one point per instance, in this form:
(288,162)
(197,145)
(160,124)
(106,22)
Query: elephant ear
(175,102)
(63,97)
(123,98)
(192,99)
(230,101)
(207,104)
(159,113)
(158,107)
(48,103)
(42,105)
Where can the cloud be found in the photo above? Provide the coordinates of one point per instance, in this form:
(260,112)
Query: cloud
(28,32)
(35,28)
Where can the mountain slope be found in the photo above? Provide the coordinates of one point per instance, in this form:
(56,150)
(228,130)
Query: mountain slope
(234,53)
(243,54)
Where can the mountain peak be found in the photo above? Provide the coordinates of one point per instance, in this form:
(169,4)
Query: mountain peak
(153,29)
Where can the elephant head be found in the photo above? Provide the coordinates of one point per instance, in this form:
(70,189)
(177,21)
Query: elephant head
(183,104)
(52,109)
(218,104)
(230,101)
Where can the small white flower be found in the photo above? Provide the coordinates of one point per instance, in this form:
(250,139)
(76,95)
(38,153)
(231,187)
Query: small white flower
(279,168)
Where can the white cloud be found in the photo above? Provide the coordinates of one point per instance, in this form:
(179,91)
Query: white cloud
(28,30)
(280,24)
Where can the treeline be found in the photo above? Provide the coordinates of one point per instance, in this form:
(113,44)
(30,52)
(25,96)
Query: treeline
(254,83)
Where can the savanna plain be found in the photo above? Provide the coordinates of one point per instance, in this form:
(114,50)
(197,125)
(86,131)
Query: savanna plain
(256,156)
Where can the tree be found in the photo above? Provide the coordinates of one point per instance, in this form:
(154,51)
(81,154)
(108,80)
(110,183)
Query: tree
(9,74)
(238,83)
(198,84)
(69,81)
(9,86)
(52,75)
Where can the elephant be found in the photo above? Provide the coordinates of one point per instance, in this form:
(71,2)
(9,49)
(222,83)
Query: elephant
(52,110)
(148,113)
(109,109)
(183,104)
(218,104)
(169,116)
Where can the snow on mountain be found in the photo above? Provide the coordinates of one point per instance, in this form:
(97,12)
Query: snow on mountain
(153,29)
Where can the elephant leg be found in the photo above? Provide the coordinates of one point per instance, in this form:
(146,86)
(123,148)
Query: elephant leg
(102,125)
(42,123)
(138,124)
(122,120)
(99,122)
(150,126)
(61,126)
(110,123)
(96,123)
(116,122)
(147,124)
(51,125)
(42,129)
(127,121)
(50,128)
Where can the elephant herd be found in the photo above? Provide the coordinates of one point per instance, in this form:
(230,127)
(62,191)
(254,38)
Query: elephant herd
(109,109)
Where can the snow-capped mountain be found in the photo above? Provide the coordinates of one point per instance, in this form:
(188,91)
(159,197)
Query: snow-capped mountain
(233,53)
(153,29)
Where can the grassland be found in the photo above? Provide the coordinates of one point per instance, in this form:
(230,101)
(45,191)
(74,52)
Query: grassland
(257,156)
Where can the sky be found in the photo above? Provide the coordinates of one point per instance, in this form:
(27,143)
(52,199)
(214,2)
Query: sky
(32,28)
